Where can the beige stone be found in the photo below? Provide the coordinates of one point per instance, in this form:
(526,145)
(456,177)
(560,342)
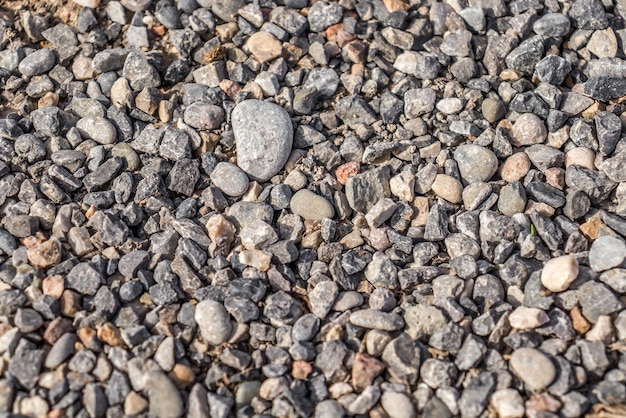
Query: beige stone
(312,240)
(581,156)
(352,240)
(527,318)
(448,188)
(46,254)
(508,403)
(296,180)
(182,375)
(421,206)
(272,387)
(258,259)
(83,67)
(166,109)
(533,367)
(135,404)
(603,43)
(558,273)
(48,100)
(92,4)
(559,138)
(378,238)
(591,228)
(53,286)
(515,167)
(311,206)
(493,110)
(601,331)
(579,323)
(227,31)
(528,129)
(430,151)
(403,185)
(257,235)
(542,208)
(121,93)
(396,5)
(339,389)
(148,100)
(511,75)
(221,232)
(254,89)
(555,177)
(80,241)
(128,154)
(264,46)
(35,407)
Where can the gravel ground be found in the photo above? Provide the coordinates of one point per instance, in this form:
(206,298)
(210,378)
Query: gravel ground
(293,208)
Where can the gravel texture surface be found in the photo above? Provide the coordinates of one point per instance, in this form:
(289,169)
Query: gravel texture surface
(299,208)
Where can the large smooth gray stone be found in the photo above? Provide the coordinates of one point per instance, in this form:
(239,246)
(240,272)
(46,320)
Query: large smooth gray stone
(264,136)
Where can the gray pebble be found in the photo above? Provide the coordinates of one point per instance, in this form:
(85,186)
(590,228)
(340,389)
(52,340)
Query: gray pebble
(99,129)
(476,163)
(39,62)
(264,135)
(213,322)
(371,319)
(607,252)
(230,179)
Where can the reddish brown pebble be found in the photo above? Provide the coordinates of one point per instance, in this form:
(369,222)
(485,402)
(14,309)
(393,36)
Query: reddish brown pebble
(56,413)
(182,376)
(31,241)
(56,329)
(356,51)
(555,177)
(515,167)
(70,303)
(346,171)
(109,334)
(230,87)
(53,286)
(364,370)
(301,369)
(89,338)
(159,30)
(541,402)
(579,323)
(46,254)
(396,5)
(337,33)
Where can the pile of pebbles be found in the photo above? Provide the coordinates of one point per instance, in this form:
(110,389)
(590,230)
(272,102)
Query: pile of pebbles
(294,208)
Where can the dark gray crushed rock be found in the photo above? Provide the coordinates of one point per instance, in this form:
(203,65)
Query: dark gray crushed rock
(295,208)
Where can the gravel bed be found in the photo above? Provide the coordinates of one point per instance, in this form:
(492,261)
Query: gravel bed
(300,208)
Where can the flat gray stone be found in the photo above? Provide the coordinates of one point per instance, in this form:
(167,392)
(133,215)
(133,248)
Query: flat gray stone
(37,63)
(607,252)
(365,189)
(165,400)
(476,163)
(264,136)
(596,299)
(230,179)
(311,206)
(533,367)
(372,319)
(213,322)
